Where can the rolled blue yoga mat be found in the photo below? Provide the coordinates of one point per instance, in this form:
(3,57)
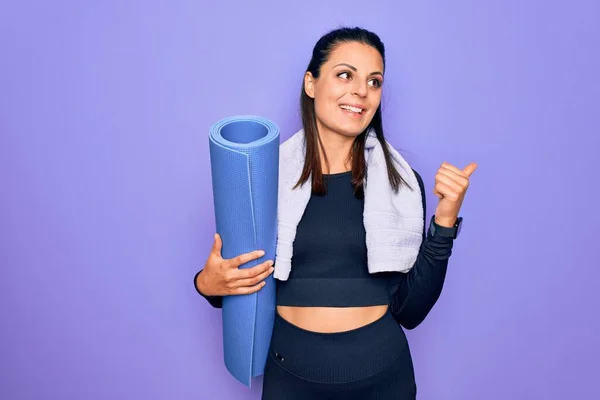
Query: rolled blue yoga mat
(244,158)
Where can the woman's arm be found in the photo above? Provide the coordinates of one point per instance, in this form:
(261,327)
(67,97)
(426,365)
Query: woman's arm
(415,293)
(223,277)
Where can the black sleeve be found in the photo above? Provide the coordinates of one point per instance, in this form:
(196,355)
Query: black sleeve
(215,301)
(414,294)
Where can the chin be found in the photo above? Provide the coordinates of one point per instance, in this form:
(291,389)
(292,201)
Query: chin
(351,132)
(350,129)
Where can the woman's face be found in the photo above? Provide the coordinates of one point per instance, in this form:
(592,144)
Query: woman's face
(348,91)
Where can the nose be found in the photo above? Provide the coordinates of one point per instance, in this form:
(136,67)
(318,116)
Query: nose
(360,88)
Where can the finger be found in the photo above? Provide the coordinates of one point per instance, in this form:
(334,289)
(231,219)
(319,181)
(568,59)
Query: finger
(217,245)
(437,192)
(245,273)
(241,259)
(461,180)
(440,178)
(469,169)
(452,168)
(248,289)
(447,192)
(255,279)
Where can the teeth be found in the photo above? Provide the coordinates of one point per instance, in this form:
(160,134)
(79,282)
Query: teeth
(353,109)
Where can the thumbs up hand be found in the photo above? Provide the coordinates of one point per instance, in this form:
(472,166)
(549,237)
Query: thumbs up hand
(451,184)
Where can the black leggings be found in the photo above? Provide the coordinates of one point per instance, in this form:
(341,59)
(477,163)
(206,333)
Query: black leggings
(370,362)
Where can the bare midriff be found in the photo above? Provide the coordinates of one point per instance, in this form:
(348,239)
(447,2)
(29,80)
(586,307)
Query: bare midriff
(331,319)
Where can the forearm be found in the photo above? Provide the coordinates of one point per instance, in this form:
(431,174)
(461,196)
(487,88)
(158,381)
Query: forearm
(416,292)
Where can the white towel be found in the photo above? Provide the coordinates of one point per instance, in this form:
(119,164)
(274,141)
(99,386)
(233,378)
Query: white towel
(393,221)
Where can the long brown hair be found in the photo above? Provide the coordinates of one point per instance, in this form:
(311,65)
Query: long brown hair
(321,53)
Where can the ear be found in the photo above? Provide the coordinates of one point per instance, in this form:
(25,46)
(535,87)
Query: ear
(309,85)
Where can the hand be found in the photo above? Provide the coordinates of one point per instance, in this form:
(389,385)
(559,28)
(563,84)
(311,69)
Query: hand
(223,277)
(451,185)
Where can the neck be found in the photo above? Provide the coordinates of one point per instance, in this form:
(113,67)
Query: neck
(338,149)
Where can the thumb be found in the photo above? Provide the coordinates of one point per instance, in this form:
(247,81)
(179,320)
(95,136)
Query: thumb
(469,169)
(217,245)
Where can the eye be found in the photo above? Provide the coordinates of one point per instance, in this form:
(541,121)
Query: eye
(376,82)
(344,75)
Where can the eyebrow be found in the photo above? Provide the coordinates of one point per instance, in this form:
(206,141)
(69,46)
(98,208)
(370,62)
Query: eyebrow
(353,68)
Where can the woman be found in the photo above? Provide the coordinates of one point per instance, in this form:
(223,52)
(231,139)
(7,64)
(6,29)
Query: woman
(338,331)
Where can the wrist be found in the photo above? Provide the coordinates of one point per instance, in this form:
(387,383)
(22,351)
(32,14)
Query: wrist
(445,222)
(446,228)
(199,283)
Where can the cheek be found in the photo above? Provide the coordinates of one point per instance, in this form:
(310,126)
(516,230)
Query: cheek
(375,100)
(326,101)
(329,92)
(336,92)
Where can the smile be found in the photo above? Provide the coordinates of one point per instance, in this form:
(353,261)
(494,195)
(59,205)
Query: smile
(353,109)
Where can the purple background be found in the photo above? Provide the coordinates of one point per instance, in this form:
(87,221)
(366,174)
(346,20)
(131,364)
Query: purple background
(106,206)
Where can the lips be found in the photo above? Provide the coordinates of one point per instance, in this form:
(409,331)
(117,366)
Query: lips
(353,108)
